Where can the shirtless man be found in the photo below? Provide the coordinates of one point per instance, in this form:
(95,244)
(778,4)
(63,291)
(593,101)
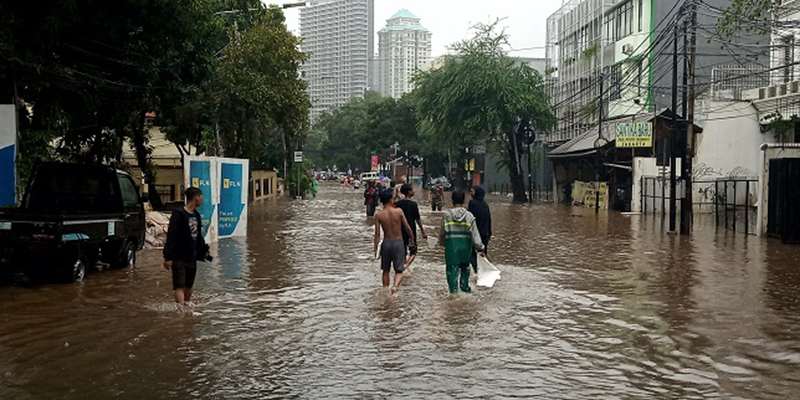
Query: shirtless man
(393,250)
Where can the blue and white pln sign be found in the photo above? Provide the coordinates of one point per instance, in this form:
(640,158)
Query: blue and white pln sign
(8,155)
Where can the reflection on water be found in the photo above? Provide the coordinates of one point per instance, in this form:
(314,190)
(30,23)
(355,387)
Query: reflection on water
(589,307)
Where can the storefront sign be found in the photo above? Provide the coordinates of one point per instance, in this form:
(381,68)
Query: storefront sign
(634,134)
(374,163)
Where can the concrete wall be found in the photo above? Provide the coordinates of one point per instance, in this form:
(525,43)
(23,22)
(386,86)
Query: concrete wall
(729,144)
(263,185)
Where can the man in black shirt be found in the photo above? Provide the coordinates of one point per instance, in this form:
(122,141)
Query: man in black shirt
(483,217)
(411,211)
(185,245)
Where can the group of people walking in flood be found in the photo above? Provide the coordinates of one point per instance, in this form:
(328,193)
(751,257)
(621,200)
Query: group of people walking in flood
(464,232)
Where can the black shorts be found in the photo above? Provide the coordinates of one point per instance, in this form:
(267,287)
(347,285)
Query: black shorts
(183,274)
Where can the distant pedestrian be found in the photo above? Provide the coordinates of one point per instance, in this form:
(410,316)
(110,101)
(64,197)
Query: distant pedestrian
(398,195)
(371,197)
(392,222)
(459,235)
(185,245)
(483,217)
(437,197)
(411,211)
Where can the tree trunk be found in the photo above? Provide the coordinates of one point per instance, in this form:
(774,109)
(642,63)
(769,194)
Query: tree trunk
(140,139)
(514,168)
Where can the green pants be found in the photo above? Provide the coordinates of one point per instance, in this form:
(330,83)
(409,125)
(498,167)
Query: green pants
(453,272)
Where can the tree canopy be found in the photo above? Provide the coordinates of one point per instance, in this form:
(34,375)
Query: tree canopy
(481,94)
(88,71)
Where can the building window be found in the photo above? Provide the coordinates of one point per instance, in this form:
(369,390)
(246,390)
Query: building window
(641,11)
(619,22)
(615,82)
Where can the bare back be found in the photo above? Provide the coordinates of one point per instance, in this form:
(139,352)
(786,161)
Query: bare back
(392,220)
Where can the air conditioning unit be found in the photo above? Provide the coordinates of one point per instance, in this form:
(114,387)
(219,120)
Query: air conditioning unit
(627,49)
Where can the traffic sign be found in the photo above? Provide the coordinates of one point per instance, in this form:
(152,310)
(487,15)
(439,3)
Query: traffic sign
(298,156)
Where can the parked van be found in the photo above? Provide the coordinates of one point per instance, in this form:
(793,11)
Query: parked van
(369,176)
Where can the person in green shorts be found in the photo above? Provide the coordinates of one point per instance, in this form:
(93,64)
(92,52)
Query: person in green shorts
(459,234)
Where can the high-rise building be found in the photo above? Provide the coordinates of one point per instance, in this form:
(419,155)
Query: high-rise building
(339,36)
(404,47)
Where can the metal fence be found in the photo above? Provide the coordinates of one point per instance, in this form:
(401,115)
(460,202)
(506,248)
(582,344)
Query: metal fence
(733,201)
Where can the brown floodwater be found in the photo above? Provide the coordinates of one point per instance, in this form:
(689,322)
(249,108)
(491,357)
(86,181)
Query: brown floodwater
(588,308)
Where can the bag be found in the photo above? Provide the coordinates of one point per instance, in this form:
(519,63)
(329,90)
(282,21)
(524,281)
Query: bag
(488,274)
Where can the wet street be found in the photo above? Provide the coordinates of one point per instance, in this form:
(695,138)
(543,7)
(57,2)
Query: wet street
(588,308)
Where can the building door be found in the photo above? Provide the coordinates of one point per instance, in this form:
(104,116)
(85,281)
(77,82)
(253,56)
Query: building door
(784,199)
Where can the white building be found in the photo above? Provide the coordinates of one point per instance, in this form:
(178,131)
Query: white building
(339,37)
(404,48)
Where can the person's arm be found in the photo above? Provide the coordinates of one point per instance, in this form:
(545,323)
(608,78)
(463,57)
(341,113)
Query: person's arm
(476,236)
(419,221)
(442,234)
(407,227)
(377,237)
(169,245)
(490,224)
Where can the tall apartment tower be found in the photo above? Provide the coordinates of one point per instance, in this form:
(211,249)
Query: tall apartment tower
(339,36)
(404,48)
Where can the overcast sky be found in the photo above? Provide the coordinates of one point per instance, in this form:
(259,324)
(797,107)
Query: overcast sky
(450,20)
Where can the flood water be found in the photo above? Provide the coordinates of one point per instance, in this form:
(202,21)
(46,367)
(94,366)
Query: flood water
(588,308)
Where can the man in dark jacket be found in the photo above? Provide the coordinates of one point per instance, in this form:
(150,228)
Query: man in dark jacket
(483,218)
(185,245)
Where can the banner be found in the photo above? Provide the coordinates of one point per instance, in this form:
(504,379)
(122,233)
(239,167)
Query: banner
(201,173)
(8,155)
(634,134)
(234,177)
(375,166)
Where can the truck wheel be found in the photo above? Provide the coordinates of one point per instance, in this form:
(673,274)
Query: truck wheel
(127,258)
(75,270)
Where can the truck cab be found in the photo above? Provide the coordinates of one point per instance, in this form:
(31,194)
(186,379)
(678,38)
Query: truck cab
(73,216)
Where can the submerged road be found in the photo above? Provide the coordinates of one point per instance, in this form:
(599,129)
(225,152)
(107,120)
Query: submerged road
(588,308)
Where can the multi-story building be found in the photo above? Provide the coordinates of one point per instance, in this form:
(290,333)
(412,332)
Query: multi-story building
(404,47)
(628,44)
(339,37)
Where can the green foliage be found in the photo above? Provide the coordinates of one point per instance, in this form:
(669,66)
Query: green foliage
(91,70)
(751,16)
(483,95)
(299,176)
(589,52)
(782,128)
(350,135)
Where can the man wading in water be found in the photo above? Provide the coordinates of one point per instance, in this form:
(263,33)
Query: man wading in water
(393,251)
(185,245)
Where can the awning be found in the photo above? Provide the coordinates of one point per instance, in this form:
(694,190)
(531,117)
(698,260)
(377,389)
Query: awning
(584,145)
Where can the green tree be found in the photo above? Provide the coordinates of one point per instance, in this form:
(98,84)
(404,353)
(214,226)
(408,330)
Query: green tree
(751,16)
(91,70)
(481,94)
(259,101)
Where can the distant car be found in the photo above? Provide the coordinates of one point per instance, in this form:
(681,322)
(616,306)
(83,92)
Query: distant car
(369,176)
(443,181)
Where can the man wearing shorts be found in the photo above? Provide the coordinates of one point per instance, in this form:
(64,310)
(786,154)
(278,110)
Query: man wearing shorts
(392,222)
(185,245)
(411,211)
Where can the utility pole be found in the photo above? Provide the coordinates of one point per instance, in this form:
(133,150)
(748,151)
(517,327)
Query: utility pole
(530,176)
(597,147)
(687,217)
(684,103)
(673,142)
